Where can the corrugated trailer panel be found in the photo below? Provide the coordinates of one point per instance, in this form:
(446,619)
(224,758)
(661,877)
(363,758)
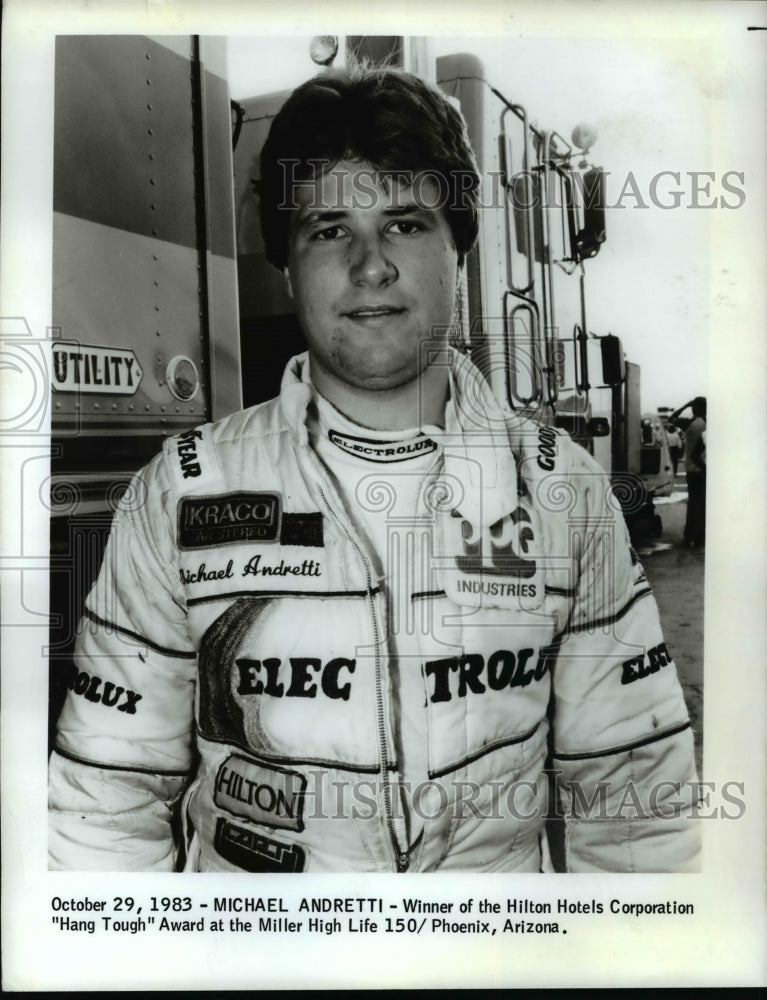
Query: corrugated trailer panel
(145,282)
(143,254)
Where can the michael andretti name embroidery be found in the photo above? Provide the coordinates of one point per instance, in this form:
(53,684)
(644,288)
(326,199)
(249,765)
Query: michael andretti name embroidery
(253,567)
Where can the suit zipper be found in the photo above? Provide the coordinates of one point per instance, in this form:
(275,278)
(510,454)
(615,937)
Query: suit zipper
(401,858)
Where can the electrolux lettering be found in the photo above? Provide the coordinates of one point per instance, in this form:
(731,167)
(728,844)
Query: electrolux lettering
(460,675)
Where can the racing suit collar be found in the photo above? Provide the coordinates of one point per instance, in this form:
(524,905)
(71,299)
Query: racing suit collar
(295,397)
(478,462)
(476,446)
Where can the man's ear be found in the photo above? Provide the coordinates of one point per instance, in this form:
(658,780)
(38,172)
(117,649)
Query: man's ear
(286,276)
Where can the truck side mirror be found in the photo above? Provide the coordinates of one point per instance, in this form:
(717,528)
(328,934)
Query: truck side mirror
(598,427)
(589,239)
(613,361)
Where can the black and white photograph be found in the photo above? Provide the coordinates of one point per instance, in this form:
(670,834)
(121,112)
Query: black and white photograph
(356,516)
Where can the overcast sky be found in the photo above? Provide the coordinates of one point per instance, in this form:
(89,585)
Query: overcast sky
(652,103)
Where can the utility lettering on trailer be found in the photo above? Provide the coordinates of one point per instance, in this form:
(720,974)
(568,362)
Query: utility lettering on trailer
(96,370)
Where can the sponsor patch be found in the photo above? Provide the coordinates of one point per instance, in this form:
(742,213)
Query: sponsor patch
(268,795)
(255,853)
(302,529)
(498,565)
(382,451)
(228,519)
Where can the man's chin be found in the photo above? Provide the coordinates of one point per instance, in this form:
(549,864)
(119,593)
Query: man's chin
(372,379)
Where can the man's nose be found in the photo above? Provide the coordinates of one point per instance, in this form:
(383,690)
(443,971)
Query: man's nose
(371,262)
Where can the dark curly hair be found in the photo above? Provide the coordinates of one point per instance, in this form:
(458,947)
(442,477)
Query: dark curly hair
(385,117)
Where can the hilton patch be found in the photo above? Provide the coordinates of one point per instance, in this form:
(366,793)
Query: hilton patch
(228,519)
(254,853)
(268,795)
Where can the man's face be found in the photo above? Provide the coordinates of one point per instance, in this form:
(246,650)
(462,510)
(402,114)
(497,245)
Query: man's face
(372,270)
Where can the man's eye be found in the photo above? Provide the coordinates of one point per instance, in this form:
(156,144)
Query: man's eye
(406,227)
(328,234)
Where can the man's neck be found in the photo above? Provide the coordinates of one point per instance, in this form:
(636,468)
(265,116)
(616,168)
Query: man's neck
(419,402)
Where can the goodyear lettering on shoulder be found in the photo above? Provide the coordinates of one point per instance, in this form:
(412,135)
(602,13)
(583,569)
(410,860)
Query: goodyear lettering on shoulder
(547,448)
(186,446)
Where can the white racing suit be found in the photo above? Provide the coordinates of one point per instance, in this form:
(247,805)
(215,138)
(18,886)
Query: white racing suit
(232,670)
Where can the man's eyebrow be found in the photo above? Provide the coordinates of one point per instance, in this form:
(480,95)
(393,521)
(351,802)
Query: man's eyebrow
(312,218)
(412,208)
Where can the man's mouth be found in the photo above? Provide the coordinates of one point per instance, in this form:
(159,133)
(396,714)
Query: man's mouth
(374,312)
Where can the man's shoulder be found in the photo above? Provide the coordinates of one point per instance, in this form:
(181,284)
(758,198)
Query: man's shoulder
(199,457)
(542,449)
(560,475)
(259,421)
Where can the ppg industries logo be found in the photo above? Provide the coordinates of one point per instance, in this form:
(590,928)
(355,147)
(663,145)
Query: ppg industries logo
(500,549)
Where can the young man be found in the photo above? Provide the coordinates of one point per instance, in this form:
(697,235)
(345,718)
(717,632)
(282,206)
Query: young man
(330,631)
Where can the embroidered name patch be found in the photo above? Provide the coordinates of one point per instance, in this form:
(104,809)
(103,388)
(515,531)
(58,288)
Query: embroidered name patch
(268,795)
(382,451)
(254,853)
(228,519)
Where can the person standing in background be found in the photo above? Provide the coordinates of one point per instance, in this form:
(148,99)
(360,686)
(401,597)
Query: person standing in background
(695,470)
(674,445)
